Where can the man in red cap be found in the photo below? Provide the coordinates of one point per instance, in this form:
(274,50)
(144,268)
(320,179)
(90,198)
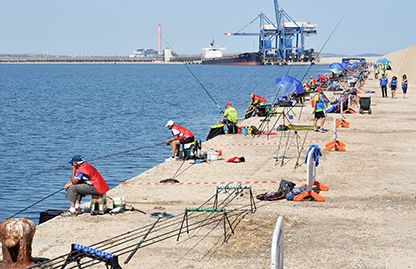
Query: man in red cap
(230,118)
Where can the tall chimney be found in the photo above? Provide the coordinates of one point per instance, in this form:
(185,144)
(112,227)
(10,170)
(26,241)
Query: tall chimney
(159,38)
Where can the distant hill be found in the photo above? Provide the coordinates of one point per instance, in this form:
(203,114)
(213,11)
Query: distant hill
(404,62)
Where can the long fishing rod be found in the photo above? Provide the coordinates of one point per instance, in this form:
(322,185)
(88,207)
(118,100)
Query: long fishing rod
(124,236)
(323,46)
(304,75)
(61,167)
(154,240)
(55,263)
(197,79)
(94,159)
(320,51)
(43,199)
(172,233)
(167,235)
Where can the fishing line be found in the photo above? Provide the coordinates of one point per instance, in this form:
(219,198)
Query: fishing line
(320,51)
(44,198)
(130,237)
(196,78)
(94,159)
(306,72)
(323,46)
(120,237)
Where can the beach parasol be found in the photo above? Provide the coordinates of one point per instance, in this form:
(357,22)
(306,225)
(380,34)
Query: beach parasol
(383,60)
(335,68)
(287,85)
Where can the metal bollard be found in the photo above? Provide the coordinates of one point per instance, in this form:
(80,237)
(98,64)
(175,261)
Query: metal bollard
(16,238)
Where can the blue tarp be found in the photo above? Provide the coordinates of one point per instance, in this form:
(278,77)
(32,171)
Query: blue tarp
(287,85)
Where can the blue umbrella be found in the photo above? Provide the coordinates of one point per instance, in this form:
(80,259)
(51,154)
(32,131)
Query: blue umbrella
(344,65)
(288,85)
(383,60)
(335,68)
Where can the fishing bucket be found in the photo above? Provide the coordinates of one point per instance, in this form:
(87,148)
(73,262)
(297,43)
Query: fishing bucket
(212,156)
(119,202)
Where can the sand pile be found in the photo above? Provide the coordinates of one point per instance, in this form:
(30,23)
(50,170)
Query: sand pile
(404,62)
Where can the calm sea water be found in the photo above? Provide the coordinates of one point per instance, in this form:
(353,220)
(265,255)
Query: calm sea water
(50,112)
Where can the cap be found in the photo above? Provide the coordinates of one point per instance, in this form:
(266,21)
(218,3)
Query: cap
(169,123)
(252,95)
(319,89)
(76,159)
(228,104)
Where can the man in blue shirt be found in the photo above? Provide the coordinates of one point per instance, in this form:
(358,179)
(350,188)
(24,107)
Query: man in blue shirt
(384,81)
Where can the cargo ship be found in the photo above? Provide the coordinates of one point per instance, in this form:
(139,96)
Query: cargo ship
(215,55)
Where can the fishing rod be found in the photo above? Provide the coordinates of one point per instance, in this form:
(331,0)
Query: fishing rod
(303,77)
(136,248)
(154,240)
(43,199)
(111,243)
(323,46)
(61,167)
(124,236)
(94,159)
(320,51)
(197,79)
(275,98)
(167,235)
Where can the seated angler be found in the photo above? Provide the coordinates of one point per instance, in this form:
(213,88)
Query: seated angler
(256,101)
(230,118)
(180,135)
(85,180)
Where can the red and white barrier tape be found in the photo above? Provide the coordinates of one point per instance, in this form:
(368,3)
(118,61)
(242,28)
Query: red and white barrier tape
(243,144)
(206,182)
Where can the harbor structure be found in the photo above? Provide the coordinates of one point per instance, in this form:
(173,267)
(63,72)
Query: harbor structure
(282,39)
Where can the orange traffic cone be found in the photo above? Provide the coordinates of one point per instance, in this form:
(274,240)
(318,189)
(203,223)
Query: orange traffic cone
(342,123)
(336,145)
(350,111)
(316,197)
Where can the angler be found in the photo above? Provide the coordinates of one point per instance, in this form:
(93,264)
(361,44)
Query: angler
(180,135)
(85,180)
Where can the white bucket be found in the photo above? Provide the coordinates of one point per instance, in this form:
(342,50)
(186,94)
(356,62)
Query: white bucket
(119,202)
(212,156)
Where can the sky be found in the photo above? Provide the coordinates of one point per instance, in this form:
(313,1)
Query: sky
(116,27)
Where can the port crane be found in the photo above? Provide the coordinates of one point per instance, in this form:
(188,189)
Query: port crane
(283,39)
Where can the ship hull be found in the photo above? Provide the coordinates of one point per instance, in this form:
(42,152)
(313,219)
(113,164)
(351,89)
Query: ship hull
(245,59)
